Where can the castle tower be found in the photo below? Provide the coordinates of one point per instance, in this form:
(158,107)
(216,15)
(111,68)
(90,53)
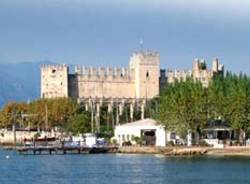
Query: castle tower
(146,71)
(54,81)
(196,68)
(215,65)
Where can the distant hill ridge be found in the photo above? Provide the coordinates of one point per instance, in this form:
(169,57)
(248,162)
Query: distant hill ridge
(20,82)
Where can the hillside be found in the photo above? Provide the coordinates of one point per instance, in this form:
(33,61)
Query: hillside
(19,82)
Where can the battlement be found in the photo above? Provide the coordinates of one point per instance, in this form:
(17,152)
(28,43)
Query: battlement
(200,64)
(138,80)
(144,58)
(146,54)
(199,72)
(177,73)
(104,72)
(45,67)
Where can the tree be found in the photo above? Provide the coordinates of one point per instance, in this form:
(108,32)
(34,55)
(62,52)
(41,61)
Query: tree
(182,107)
(186,105)
(238,106)
(11,113)
(52,112)
(79,123)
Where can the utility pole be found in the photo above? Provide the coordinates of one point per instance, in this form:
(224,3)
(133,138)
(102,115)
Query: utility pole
(92,116)
(113,119)
(46,117)
(117,113)
(14,125)
(146,93)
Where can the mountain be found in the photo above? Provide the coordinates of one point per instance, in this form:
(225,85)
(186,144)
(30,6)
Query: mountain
(20,82)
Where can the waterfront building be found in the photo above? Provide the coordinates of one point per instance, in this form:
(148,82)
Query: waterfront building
(20,135)
(218,133)
(148,130)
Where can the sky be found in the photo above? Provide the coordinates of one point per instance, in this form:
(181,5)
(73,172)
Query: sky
(106,33)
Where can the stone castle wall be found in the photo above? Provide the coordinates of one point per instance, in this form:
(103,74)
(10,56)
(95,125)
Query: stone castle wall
(142,79)
(199,72)
(89,82)
(139,80)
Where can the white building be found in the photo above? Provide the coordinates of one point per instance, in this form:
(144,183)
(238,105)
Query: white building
(148,129)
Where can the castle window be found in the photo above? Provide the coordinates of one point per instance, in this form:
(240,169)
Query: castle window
(147,74)
(128,137)
(61,83)
(54,71)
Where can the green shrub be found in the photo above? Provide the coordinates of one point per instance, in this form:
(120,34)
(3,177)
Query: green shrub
(113,141)
(203,143)
(138,140)
(170,143)
(37,135)
(127,143)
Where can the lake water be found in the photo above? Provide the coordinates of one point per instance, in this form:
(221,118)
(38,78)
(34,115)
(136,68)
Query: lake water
(119,168)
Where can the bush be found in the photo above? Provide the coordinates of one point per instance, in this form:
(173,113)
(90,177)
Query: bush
(236,143)
(170,143)
(203,143)
(138,140)
(113,141)
(127,143)
(37,135)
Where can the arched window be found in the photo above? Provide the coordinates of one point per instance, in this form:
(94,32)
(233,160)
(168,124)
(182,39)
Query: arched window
(147,74)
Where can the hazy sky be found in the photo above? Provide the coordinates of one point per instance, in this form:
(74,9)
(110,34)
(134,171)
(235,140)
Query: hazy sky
(106,32)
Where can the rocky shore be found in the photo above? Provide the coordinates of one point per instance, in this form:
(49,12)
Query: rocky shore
(186,151)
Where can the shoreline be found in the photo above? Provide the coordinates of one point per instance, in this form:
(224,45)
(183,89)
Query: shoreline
(187,151)
(174,151)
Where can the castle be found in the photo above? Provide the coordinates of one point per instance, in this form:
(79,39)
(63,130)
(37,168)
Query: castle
(200,72)
(115,87)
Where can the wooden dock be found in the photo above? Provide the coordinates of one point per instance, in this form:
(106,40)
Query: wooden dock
(62,149)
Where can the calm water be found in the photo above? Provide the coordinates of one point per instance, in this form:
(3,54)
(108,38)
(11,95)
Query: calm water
(112,169)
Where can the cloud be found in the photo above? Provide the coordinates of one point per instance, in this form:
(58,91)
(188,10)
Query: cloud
(230,6)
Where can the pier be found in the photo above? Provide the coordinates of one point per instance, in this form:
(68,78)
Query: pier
(63,148)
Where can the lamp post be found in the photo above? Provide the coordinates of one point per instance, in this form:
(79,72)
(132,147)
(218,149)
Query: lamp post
(92,115)
(147,78)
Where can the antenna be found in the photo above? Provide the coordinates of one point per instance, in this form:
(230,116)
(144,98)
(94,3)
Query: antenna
(141,44)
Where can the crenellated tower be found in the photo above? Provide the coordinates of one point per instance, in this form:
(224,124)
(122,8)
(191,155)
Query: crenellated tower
(54,81)
(146,72)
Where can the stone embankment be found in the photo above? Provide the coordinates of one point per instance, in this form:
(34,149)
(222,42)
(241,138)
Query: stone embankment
(230,151)
(170,151)
(186,151)
(143,150)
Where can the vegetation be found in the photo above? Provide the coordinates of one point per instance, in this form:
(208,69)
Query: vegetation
(65,113)
(182,106)
(203,66)
(46,114)
(187,105)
